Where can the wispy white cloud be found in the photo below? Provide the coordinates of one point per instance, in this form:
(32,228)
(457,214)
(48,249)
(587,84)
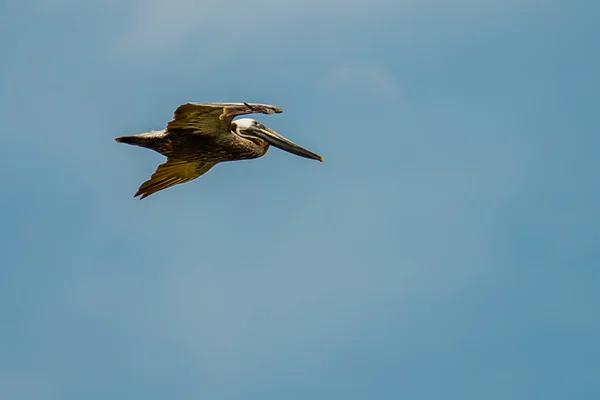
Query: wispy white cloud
(368,79)
(158,28)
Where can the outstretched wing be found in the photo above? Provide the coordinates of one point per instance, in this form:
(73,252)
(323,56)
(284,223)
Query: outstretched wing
(213,118)
(172,172)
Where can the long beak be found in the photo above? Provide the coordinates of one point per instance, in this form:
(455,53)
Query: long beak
(284,144)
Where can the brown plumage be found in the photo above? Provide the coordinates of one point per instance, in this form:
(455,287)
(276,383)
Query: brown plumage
(200,135)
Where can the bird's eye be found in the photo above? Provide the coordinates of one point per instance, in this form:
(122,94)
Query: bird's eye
(234,127)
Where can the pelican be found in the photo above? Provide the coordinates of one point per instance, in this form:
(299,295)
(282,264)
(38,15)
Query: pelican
(201,135)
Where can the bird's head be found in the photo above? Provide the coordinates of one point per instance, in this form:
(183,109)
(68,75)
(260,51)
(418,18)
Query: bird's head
(251,129)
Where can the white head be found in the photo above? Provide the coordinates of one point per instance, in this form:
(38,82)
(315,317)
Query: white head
(251,129)
(243,124)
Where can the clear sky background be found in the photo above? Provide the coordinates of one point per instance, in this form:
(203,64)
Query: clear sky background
(447,248)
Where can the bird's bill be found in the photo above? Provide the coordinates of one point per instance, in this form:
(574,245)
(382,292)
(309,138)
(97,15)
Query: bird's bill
(282,143)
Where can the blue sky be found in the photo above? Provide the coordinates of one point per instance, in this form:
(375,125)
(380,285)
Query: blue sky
(446,248)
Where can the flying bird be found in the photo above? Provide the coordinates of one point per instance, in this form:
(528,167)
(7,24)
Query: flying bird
(201,135)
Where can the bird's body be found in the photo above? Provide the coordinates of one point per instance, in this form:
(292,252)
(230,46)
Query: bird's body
(210,148)
(204,134)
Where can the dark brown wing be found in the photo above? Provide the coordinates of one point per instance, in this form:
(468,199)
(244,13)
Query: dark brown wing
(172,172)
(213,118)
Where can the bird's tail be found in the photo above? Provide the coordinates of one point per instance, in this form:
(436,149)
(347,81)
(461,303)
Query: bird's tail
(151,140)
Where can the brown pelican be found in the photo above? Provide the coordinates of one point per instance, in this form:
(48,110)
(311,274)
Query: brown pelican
(201,135)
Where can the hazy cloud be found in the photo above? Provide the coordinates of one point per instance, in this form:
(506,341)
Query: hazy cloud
(369,79)
(158,28)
